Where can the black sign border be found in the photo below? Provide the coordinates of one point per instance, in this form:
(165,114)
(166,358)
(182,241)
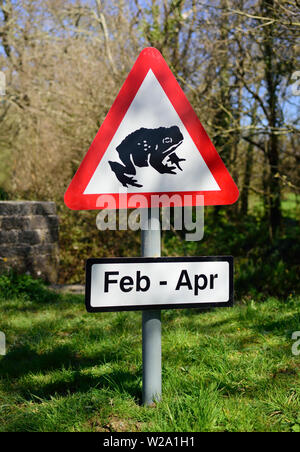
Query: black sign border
(155,307)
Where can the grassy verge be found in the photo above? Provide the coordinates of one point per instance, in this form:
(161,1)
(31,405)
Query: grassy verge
(223,370)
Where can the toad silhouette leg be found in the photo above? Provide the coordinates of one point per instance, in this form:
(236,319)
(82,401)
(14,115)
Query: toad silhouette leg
(175,160)
(157,164)
(121,171)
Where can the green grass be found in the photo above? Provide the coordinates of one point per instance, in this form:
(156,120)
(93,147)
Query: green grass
(223,370)
(291,205)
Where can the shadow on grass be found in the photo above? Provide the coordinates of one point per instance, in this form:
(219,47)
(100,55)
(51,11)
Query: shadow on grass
(117,381)
(252,320)
(25,362)
(282,327)
(57,302)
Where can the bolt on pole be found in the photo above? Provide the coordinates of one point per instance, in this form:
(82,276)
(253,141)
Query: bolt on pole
(151,320)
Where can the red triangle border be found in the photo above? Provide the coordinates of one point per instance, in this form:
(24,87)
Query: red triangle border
(151,58)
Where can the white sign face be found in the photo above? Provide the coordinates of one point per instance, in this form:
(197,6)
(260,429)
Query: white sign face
(158,283)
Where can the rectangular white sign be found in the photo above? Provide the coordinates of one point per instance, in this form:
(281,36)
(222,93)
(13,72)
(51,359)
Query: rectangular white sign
(127,284)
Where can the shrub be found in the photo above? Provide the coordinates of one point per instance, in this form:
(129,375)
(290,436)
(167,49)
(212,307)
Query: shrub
(13,285)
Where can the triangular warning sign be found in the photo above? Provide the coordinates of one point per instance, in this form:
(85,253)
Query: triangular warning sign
(151,143)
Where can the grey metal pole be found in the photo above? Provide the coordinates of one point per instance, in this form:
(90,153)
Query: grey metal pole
(151,320)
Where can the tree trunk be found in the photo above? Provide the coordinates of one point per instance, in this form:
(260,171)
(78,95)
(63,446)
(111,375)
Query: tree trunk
(247,180)
(271,78)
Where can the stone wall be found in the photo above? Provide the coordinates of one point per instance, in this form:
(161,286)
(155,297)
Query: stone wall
(29,238)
